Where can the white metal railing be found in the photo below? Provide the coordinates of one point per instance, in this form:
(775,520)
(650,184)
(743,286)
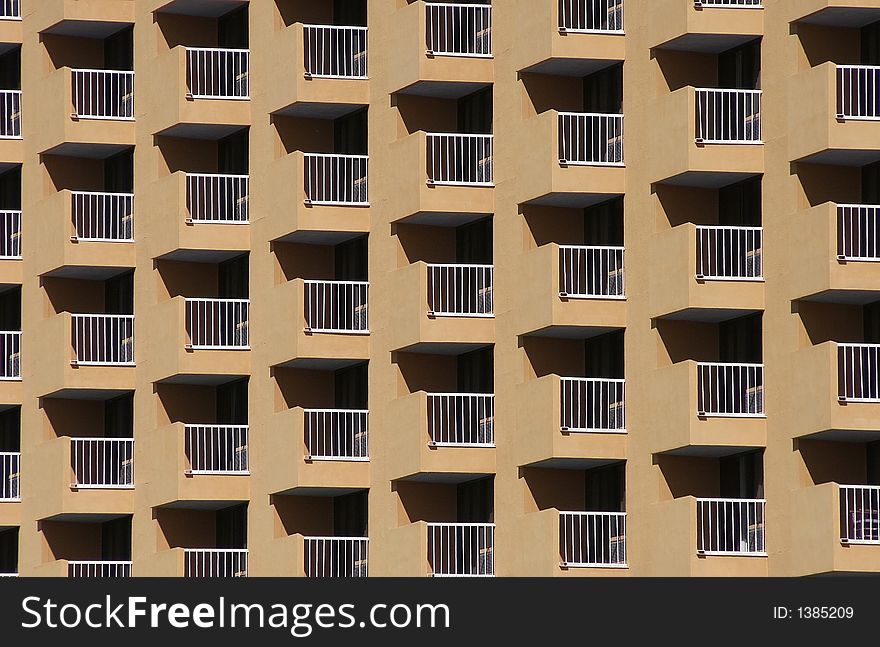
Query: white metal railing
(860,514)
(102,463)
(858,232)
(591,16)
(729,253)
(729,4)
(459,29)
(213,73)
(103,339)
(459,160)
(8,574)
(336,556)
(337,434)
(337,306)
(10,353)
(217,198)
(858,92)
(730,390)
(730,527)
(10,476)
(10,114)
(592,539)
(590,139)
(99,569)
(591,272)
(858,372)
(218,324)
(336,180)
(103,94)
(215,562)
(10,235)
(461,419)
(460,290)
(335,52)
(728,116)
(592,404)
(102,217)
(217,449)
(10,9)
(461,549)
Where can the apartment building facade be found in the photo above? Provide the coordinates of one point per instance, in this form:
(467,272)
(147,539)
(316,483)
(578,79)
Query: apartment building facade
(408,288)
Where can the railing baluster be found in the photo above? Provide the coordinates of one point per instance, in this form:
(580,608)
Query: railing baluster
(592,539)
(103,94)
(728,116)
(339,180)
(102,463)
(459,160)
(729,253)
(461,419)
(730,526)
(336,556)
(593,139)
(217,449)
(460,290)
(336,434)
(215,562)
(214,73)
(461,549)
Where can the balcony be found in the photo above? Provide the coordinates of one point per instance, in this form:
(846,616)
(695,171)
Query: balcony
(724,412)
(575,423)
(571,159)
(443,307)
(709,538)
(317,323)
(446,437)
(573,544)
(838,391)
(572,37)
(707,26)
(707,273)
(313,450)
(299,555)
(325,71)
(215,562)
(198,465)
(11,144)
(92,112)
(10,368)
(837,113)
(85,234)
(572,291)
(201,340)
(83,476)
(723,140)
(836,248)
(835,529)
(318,198)
(210,92)
(100,356)
(101,569)
(461,549)
(444,50)
(208,213)
(454,181)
